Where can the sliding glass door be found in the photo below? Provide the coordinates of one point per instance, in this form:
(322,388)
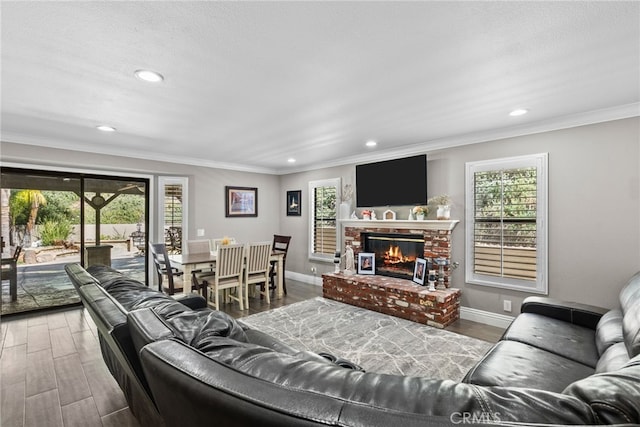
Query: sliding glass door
(59,218)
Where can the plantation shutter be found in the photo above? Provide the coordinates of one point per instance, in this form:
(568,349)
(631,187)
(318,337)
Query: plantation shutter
(505,218)
(324,221)
(173,217)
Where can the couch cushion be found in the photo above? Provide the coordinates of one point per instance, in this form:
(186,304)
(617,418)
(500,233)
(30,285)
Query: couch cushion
(614,358)
(630,293)
(631,329)
(515,364)
(615,396)
(609,330)
(562,338)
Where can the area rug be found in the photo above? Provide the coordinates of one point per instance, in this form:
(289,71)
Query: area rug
(377,342)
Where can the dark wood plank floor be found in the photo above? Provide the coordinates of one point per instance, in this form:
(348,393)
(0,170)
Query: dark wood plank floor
(52,373)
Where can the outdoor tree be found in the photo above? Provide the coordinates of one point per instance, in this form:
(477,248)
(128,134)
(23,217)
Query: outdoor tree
(30,200)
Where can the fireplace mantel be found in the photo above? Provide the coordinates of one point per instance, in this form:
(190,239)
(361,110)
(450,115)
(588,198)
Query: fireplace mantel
(400,224)
(437,235)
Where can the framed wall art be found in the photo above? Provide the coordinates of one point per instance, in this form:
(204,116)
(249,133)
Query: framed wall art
(294,203)
(241,201)
(366,263)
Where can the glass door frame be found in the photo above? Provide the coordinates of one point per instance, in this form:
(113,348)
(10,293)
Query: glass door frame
(99,174)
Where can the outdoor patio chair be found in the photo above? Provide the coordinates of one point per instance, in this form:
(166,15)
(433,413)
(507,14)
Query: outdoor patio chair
(10,272)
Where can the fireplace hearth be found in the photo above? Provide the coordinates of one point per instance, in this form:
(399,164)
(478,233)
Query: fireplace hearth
(395,253)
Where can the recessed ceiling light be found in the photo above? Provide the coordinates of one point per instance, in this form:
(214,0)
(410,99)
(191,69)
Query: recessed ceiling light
(518,112)
(149,76)
(106,128)
(371,143)
(291,160)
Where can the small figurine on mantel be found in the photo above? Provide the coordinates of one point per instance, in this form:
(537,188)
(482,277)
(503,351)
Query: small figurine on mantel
(353,215)
(373,215)
(350,266)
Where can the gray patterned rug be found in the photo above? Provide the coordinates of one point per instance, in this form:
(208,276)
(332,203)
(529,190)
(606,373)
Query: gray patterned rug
(377,342)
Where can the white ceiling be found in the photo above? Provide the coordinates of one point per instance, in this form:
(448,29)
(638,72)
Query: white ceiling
(250,84)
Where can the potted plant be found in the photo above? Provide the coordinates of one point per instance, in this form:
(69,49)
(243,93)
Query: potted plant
(420,212)
(345,204)
(443,202)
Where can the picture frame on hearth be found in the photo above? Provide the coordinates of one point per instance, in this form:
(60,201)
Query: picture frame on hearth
(366,263)
(420,271)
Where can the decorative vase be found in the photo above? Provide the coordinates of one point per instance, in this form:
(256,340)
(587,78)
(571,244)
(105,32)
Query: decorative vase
(420,217)
(366,217)
(410,217)
(443,212)
(345,209)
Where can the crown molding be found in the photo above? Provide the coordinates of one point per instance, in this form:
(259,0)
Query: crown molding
(558,123)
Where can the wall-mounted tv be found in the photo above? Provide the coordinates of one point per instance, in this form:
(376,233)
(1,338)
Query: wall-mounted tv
(392,182)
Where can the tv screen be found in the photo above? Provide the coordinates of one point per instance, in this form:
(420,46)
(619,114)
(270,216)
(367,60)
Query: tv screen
(392,182)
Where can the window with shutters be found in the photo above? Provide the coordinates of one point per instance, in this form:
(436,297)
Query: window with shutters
(506,217)
(173,205)
(323,238)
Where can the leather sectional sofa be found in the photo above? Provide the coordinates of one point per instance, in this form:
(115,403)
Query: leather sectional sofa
(183,364)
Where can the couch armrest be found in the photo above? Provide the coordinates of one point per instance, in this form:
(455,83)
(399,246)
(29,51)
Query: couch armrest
(193,301)
(572,312)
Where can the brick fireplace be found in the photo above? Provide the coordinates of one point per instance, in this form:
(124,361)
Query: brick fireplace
(436,234)
(393,295)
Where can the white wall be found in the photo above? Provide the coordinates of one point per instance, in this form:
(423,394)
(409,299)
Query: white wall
(206,188)
(594,210)
(594,204)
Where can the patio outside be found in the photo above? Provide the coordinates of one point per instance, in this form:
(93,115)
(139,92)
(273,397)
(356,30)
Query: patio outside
(46,284)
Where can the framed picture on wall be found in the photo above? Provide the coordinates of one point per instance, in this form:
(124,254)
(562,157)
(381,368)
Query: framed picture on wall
(294,203)
(420,271)
(241,201)
(366,263)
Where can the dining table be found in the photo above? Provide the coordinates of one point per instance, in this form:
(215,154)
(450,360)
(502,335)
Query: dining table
(189,262)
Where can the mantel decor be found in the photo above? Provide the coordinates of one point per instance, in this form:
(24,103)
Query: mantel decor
(241,201)
(402,223)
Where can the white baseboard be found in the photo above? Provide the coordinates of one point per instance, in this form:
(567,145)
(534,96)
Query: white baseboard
(467,313)
(305,278)
(486,317)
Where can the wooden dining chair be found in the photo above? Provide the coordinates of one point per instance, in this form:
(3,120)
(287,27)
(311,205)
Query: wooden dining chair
(216,243)
(229,266)
(163,268)
(256,270)
(281,245)
(10,272)
(200,277)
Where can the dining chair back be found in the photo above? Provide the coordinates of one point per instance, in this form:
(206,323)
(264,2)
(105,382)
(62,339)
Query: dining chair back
(198,246)
(229,266)
(163,268)
(257,269)
(216,243)
(10,272)
(200,277)
(280,245)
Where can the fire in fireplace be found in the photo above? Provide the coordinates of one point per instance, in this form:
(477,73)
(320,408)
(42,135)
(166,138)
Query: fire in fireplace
(395,253)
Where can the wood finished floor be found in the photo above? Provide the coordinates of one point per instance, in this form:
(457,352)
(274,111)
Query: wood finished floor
(52,373)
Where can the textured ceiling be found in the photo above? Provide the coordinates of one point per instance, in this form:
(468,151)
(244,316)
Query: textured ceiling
(250,84)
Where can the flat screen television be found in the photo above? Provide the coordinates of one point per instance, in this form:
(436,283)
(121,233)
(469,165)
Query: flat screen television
(392,182)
